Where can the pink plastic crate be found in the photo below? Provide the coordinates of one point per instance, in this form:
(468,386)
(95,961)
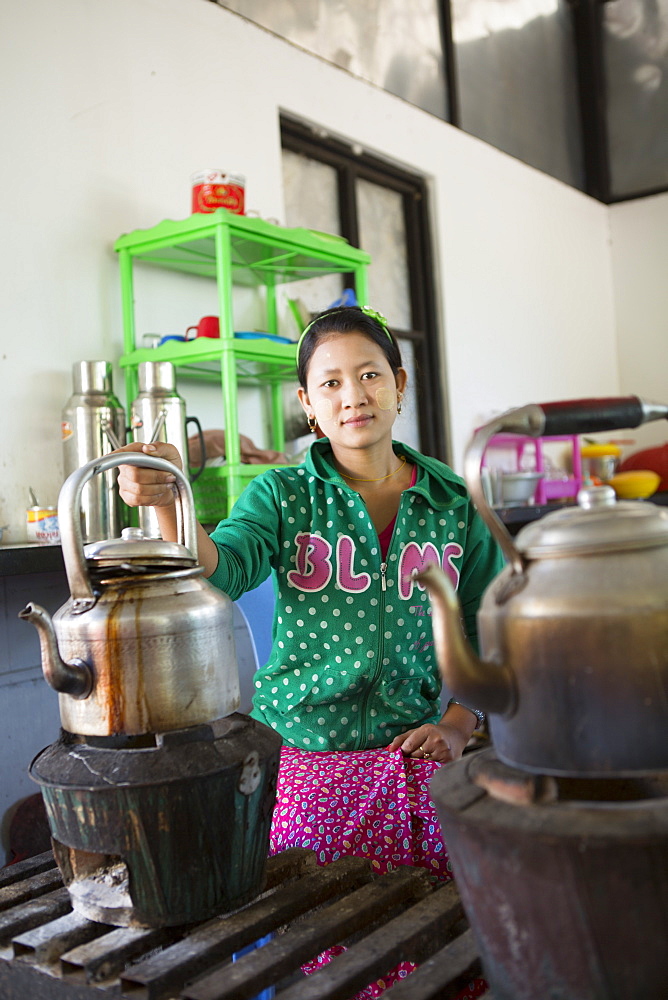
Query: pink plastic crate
(547,489)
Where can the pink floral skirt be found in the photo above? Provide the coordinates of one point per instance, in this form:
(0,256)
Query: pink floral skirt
(370,803)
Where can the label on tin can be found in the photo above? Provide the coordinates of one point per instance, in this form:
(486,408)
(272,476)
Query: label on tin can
(212,189)
(42,525)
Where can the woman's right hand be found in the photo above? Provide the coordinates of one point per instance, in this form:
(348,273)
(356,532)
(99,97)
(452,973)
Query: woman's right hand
(142,487)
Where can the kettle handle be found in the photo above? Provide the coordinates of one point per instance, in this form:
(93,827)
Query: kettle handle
(69,521)
(573,416)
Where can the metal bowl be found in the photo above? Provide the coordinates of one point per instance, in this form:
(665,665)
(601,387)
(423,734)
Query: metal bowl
(601,467)
(519,487)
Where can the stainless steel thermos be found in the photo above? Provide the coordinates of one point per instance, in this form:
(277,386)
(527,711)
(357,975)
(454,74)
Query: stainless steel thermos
(93,424)
(158,413)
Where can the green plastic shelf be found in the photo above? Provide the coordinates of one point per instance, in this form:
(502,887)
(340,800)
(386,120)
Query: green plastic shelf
(257,361)
(262,253)
(233,250)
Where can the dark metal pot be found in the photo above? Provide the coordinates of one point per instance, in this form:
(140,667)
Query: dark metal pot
(574,631)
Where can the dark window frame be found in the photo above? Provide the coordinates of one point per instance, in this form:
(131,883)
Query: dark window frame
(352,165)
(591,89)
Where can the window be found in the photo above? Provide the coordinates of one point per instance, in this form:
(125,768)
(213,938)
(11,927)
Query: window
(635,57)
(334,188)
(575,88)
(391,43)
(516,81)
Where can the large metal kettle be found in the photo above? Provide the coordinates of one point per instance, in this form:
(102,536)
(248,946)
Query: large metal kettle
(144,644)
(574,631)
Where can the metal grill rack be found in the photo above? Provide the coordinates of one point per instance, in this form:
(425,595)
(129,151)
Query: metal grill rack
(49,952)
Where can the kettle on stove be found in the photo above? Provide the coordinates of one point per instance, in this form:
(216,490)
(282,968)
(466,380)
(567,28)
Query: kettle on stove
(144,644)
(574,631)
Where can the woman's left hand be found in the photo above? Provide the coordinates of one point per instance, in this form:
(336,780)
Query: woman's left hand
(440,743)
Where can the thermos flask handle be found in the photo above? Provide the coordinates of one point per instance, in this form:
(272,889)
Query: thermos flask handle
(573,416)
(69,521)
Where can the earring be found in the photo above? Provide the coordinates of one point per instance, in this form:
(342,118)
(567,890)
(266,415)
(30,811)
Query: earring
(312,424)
(400,396)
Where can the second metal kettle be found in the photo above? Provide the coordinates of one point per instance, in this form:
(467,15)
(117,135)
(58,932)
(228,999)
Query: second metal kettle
(574,631)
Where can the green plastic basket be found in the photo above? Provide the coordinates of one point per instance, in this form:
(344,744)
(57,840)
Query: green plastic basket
(210,496)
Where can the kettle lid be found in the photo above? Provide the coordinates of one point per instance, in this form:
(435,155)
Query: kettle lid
(134,550)
(598,523)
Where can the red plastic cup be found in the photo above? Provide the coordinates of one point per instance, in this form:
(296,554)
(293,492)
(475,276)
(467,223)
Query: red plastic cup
(208,326)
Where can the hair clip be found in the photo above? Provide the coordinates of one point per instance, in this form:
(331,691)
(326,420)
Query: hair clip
(379,318)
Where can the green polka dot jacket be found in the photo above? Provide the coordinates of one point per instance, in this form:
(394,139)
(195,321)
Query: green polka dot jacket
(352,663)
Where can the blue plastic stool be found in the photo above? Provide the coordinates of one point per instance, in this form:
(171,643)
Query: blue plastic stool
(258,608)
(270,992)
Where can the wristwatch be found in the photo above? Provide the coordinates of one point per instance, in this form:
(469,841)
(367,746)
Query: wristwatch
(480,716)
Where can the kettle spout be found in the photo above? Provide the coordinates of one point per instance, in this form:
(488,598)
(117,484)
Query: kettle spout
(487,686)
(74,678)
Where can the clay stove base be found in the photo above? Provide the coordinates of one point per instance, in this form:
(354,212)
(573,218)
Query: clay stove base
(565,886)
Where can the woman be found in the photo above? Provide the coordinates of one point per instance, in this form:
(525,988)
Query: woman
(352,684)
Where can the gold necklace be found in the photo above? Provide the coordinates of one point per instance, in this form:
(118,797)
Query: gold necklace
(380,479)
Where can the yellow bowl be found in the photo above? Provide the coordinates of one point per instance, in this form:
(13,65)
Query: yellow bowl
(600,450)
(636,485)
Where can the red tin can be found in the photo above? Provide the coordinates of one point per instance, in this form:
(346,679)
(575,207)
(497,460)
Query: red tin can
(214,189)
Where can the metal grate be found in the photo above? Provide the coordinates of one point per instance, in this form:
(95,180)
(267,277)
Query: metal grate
(48,952)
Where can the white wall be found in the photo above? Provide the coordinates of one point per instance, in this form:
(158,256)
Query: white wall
(639,232)
(110,105)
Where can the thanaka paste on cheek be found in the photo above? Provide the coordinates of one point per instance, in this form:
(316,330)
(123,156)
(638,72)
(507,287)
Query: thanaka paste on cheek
(386,398)
(323,410)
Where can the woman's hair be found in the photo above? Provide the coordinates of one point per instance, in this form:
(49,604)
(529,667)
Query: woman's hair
(346,319)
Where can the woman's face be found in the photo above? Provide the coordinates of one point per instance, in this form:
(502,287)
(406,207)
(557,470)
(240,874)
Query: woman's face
(351,390)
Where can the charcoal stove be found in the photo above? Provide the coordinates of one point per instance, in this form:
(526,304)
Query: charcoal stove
(564,880)
(49,952)
(166,830)
(159,795)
